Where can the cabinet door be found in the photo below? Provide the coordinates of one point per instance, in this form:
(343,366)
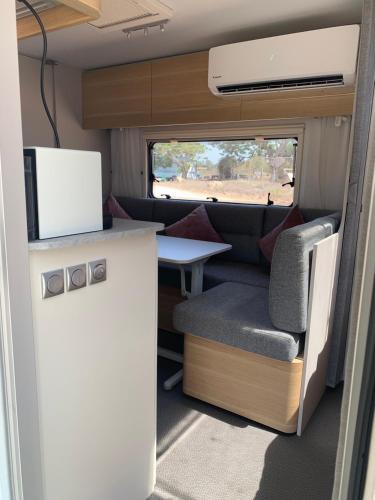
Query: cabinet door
(180,93)
(298,103)
(116,97)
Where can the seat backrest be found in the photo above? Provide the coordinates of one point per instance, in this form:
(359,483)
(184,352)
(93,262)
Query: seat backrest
(241,225)
(137,208)
(238,224)
(290,272)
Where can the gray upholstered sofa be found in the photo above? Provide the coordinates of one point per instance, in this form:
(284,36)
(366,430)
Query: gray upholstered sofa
(244,343)
(264,320)
(238,224)
(244,336)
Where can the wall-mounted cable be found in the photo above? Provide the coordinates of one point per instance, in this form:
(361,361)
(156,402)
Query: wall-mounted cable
(42,71)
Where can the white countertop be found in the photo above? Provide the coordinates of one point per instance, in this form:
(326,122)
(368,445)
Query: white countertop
(185,251)
(122,228)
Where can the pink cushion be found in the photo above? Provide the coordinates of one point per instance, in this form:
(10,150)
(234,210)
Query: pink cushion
(195,226)
(268,242)
(113,207)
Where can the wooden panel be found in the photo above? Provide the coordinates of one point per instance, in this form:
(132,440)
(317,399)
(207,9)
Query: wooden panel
(169,297)
(175,91)
(89,7)
(73,12)
(319,328)
(259,388)
(298,104)
(180,93)
(53,19)
(117,97)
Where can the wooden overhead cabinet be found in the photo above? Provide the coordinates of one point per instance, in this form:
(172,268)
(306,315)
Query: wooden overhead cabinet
(117,97)
(180,93)
(174,91)
(62,14)
(328,101)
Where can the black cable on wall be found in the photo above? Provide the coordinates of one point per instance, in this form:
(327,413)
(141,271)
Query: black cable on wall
(42,71)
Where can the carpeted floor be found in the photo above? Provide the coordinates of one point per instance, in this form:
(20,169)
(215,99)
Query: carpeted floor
(205,453)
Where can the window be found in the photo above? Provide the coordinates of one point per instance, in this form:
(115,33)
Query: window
(240,171)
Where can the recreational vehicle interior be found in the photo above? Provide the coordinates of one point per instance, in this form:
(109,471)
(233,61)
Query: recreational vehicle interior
(201,175)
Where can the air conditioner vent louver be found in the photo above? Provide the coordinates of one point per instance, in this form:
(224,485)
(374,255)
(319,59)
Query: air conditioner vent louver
(321,81)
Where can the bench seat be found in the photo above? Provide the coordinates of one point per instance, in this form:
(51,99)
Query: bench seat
(217,271)
(237,315)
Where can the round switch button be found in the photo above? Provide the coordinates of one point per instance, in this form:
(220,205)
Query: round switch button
(78,278)
(99,272)
(55,284)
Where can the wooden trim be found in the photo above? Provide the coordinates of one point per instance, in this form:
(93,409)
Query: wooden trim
(89,7)
(62,16)
(257,387)
(299,104)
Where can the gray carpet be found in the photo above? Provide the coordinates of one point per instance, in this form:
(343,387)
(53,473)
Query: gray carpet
(205,453)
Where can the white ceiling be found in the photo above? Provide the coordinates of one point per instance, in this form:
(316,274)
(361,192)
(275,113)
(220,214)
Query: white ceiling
(196,25)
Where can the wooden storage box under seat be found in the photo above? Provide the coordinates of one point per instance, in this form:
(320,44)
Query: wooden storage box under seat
(169,297)
(257,387)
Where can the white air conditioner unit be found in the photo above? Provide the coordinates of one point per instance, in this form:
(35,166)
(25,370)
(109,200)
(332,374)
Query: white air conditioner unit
(312,59)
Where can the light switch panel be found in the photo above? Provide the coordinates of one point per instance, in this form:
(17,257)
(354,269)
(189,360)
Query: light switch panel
(52,283)
(97,271)
(75,277)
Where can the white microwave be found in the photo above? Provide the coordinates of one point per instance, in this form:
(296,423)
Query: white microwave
(63,192)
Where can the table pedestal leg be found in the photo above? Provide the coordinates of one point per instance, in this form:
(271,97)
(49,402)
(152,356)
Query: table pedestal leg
(173,380)
(196,289)
(173,356)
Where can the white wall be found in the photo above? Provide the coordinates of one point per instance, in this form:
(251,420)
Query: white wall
(35,126)
(17,361)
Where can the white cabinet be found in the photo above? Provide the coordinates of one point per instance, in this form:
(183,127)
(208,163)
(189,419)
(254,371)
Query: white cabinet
(96,371)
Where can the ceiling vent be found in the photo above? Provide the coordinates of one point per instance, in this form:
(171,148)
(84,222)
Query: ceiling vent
(131,14)
(39,6)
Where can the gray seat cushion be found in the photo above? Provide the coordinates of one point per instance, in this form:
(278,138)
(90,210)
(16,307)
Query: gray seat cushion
(219,271)
(290,272)
(237,315)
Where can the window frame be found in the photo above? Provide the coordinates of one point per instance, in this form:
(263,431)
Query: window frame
(207,134)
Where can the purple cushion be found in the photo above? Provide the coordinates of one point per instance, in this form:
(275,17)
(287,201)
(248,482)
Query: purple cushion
(195,226)
(113,207)
(268,242)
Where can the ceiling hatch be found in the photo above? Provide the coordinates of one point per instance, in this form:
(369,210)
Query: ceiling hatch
(130,14)
(39,6)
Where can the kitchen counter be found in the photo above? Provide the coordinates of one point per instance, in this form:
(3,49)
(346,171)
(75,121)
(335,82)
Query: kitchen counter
(122,228)
(96,357)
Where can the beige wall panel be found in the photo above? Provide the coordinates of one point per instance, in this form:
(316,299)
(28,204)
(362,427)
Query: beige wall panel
(319,327)
(35,126)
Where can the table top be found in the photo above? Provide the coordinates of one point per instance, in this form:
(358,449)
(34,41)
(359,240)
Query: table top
(185,251)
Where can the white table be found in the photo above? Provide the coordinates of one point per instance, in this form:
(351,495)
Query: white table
(183,253)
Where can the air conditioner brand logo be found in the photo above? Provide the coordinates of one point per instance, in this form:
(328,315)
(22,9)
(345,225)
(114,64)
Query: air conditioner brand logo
(217,76)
